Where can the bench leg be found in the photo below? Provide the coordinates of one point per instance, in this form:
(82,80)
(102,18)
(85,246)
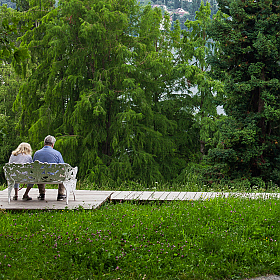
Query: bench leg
(67,195)
(10,188)
(70,186)
(73,187)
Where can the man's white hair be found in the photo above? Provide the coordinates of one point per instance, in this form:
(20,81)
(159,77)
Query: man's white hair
(49,140)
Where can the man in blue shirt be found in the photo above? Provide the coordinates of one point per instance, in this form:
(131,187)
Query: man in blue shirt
(50,155)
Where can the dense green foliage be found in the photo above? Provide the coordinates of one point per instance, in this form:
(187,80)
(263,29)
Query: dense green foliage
(131,97)
(10,30)
(10,54)
(103,80)
(249,64)
(207,93)
(217,239)
(9,3)
(8,119)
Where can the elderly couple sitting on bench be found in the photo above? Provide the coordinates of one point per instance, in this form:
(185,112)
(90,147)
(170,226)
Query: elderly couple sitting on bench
(45,155)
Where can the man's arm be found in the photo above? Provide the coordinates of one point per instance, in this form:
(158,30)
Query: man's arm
(60,158)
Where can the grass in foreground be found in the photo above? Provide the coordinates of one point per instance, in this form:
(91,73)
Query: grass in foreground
(217,239)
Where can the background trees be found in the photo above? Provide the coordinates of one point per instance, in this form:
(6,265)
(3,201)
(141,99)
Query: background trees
(9,86)
(10,53)
(205,92)
(132,98)
(249,65)
(102,76)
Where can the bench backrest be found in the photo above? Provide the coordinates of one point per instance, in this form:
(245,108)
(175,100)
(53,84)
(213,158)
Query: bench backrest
(38,172)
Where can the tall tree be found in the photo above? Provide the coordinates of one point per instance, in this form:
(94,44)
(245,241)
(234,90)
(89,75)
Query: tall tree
(100,80)
(249,64)
(10,55)
(195,4)
(205,92)
(10,51)
(9,135)
(170,116)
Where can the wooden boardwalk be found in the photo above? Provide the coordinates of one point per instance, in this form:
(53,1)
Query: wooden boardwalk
(84,198)
(169,196)
(90,199)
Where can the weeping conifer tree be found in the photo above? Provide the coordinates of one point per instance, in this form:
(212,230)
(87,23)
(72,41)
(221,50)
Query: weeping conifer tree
(249,64)
(101,73)
(196,47)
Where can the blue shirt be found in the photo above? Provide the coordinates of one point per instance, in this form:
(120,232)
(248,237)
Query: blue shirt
(48,154)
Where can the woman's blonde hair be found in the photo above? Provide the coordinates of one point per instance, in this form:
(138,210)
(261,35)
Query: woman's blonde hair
(23,148)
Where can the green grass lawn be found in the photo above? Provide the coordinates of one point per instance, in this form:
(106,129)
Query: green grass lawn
(216,239)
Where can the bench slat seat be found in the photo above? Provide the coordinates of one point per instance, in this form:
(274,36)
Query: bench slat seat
(41,173)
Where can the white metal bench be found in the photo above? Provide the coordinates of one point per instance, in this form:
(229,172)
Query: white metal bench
(41,173)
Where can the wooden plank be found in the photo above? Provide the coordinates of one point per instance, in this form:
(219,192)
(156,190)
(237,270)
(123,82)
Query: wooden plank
(49,205)
(172,196)
(215,195)
(134,195)
(92,199)
(181,196)
(164,195)
(52,206)
(121,195)
(191,196)
(210,195)
(156,195)
(256,195)
(220,195)
(242,195)
(84,198)
(204,195)
(265,195)
(34,190)
(115,194)
(145,195)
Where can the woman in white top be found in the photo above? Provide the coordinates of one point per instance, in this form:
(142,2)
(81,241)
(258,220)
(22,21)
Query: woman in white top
(22,154)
